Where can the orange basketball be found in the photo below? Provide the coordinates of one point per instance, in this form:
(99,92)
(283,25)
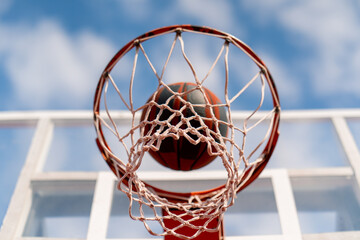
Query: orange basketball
(181,154)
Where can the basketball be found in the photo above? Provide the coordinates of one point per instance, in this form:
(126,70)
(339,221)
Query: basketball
(177,152)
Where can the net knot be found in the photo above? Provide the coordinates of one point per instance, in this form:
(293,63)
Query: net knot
(136,42)
(192,131)
(173,129)
(203,139)
(179,31)
(129,168)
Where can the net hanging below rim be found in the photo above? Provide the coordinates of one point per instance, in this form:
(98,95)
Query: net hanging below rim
(242,168)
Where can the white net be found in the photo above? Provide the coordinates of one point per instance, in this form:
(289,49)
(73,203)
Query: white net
(150,204)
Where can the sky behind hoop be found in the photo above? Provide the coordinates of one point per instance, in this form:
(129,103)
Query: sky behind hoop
(51,56)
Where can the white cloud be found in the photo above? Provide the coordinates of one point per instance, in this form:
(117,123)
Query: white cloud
(138,10)
(332,29)
(287,84)
(211,12)
(329,29)
(48,67)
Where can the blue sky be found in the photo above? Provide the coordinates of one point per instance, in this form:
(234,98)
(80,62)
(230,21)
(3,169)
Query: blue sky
(53,52)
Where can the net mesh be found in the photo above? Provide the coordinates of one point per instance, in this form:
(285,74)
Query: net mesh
(147,203)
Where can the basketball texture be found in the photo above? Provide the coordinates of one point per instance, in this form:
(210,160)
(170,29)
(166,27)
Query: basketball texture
(181,154)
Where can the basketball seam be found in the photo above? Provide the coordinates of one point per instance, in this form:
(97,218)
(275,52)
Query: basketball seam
(179,143)
(205,149)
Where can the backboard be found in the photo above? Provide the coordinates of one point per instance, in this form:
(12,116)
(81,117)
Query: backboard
(310,189)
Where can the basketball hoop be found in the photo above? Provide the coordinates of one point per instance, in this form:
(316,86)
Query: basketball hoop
(192,214)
